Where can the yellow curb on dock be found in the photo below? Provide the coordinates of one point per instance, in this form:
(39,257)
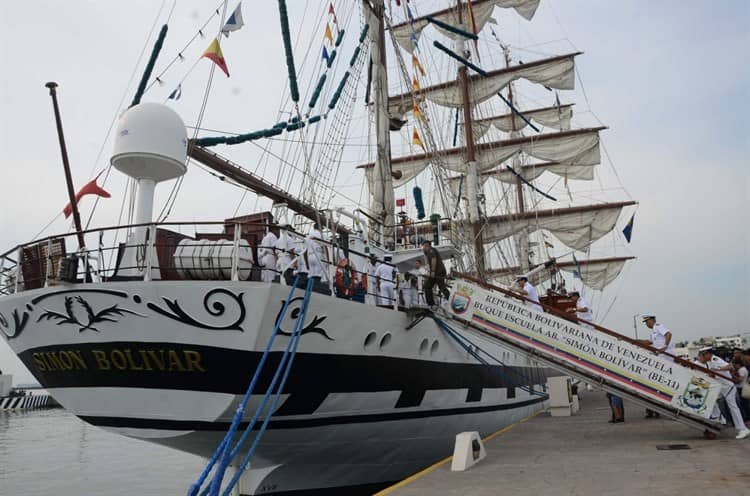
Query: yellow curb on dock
(435,466)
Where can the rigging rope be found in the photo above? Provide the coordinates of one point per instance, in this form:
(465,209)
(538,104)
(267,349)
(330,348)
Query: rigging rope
(150,66)
(194,488)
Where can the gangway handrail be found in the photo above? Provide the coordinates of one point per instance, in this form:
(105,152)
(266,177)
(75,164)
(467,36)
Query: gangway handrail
(609,332)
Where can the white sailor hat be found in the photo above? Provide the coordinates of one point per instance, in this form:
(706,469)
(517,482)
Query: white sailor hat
(705,349)
(648,316)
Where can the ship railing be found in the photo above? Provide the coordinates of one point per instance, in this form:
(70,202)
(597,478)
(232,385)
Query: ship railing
(105,258)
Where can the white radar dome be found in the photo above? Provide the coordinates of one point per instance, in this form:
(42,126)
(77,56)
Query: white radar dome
(151,143)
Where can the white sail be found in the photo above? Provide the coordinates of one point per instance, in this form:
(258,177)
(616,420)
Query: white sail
(555,117)
(595,274)
(556,72)
(579,147)
(407,34)
(575,227)
(580,169)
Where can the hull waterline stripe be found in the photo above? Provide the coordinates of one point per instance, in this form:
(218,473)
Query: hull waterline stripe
(191,425)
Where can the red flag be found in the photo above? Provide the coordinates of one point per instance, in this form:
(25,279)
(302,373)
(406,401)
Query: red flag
(91,188)
(401,202)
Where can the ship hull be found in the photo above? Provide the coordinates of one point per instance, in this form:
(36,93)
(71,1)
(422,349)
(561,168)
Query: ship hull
(368,402)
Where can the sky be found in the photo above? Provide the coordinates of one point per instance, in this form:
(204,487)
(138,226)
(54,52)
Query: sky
(668,78)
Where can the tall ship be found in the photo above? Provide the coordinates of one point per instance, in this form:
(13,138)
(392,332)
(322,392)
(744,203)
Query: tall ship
(176,332)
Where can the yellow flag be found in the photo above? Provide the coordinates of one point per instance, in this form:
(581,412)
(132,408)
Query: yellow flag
(415,139)
(418,112)
(417,65)
(329,34)
(415,84)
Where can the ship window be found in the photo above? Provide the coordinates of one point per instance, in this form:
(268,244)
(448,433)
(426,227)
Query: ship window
(423,346)
(370,339)
(434,347)
(385,340)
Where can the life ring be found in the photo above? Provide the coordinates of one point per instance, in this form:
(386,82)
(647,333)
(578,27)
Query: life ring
(346,277)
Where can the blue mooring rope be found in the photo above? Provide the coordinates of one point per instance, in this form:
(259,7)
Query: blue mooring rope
(193,491)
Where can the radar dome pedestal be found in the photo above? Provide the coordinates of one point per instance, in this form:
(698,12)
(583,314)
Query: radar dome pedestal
(151,147)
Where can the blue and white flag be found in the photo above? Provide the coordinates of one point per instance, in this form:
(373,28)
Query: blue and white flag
(176,93)
(234,22)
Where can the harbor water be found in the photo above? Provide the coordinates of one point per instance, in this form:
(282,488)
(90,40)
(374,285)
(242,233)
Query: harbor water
(51,452)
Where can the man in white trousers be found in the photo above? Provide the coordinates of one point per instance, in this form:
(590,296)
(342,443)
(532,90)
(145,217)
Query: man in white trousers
(728,390)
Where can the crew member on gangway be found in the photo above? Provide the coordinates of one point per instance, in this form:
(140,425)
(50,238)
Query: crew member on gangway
(707,358)
(529,292)
(661,339)
(582,309)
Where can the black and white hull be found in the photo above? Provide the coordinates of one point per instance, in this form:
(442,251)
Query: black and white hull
(367,402)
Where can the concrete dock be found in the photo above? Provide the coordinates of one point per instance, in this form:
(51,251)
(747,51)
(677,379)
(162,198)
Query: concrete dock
(584,455)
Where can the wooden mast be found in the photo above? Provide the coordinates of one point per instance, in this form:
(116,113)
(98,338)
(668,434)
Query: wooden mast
(471,173)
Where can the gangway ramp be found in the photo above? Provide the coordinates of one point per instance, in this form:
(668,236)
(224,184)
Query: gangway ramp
(666,384)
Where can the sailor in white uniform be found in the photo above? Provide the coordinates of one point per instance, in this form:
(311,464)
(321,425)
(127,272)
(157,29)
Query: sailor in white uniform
(267,255)
(529,292)
(583,311)
(372,286)
(728,390)
(316,257)
(286,250)
(386,276)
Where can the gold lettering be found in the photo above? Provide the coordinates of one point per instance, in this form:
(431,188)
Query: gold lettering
(52,358)
(101,360)
(131,362)
(39,362)
(193,359)
(174,362)
(144,357)
(80,363)
(65,360)
(159,361)
(118,359)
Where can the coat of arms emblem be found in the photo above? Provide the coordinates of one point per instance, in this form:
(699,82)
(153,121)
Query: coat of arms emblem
(695,395)
(461,299)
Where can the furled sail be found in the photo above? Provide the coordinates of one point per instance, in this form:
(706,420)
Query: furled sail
(556,72)
(407,34)
(595,273)
(575,227)
(579,147)
(581,169)
(556,117)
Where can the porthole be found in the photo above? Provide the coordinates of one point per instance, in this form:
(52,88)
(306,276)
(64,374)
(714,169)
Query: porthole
(423,346)
(434,347)
(370,339)
(385,340)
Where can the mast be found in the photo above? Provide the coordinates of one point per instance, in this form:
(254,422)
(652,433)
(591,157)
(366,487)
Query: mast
(66,165)
(523,236)
(383,202)
(472,177)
